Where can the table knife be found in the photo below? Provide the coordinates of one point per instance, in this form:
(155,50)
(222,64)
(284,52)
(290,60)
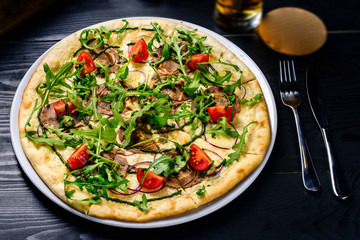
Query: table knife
(338,182)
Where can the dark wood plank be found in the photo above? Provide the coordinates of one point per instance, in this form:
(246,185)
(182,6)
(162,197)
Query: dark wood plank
(15,12)
(65,17)
(275,206)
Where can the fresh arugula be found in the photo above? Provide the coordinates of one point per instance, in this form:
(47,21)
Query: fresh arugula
(54,81)
(121,31)
(70,139)
(106,129)
(142,205)
(221,128)
(101,36)
(252,101)
(166,165)
(43,138)
(131,126)
(192,85)
(91,108)
(179,56)
(104,70)
(98,184)
(158,36)
(234,156)
(201,191)
(196,44)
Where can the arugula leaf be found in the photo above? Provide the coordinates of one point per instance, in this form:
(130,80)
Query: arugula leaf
(91,133)
(196,45)
(213,78)
(177,49)
(230,88)
(66,121)
(151,42)
(43,139)
(117,107)
(95,184)
(201,191)
(52,81)
(158,116)
(159,35)
(142,205)
(240,146)
(101,35)
(221,128)
(123,72)
(225,63)
(75,99)
(191,86)
(252,101)
(194,127)
(122,30)
(166,165)
(106,34)
(92,106)
(104,69)
(132,121)
(107,133)
(70,140)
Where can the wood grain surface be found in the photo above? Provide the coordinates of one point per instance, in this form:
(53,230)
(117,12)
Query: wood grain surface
(276,205)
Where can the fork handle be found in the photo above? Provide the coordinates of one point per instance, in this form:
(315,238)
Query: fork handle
(338,182)
(309,176)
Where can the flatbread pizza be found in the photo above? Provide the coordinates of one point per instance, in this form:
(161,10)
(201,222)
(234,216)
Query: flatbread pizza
(138,119)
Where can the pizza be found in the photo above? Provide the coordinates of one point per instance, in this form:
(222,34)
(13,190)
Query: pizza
(142,119)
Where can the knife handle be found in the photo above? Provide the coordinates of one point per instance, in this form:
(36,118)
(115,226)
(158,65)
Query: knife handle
(309,176)
(338,182)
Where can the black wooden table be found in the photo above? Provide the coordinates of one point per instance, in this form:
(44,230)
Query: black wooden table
(276,205)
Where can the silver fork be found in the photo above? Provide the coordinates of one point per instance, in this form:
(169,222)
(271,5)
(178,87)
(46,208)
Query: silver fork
(291,98)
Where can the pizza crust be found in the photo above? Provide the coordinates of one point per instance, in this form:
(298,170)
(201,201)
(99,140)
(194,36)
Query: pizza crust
(52,171)
(220,184)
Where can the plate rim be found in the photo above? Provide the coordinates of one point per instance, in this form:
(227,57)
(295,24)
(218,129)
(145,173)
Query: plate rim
(188,216)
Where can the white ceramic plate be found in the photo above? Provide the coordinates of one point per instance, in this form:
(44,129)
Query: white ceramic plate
(170,221)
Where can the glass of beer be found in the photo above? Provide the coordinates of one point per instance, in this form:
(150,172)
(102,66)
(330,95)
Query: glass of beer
(238,15)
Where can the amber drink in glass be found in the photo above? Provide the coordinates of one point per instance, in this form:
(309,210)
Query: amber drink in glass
(238,15)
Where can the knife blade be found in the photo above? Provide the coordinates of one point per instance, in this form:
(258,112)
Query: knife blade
(338,182)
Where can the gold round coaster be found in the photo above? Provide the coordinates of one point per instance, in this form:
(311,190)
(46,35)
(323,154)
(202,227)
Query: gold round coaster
(292,31)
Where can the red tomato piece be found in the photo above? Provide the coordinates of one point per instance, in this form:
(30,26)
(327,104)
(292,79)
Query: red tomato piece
(195,59)
(79,157)
(140,51)
(220,111)
(152,181)
(89,63)
(198,160)
(59,107)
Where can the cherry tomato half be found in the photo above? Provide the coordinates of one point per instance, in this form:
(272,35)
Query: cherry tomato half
(79,157)
(59,107)
(152,181)
(220,111)
(140,51)
(195,59)
(89,65)
(198,160)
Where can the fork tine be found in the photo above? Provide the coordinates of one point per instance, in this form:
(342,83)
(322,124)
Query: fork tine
(292,76)
(293,70)
(283,77)
(289,79)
